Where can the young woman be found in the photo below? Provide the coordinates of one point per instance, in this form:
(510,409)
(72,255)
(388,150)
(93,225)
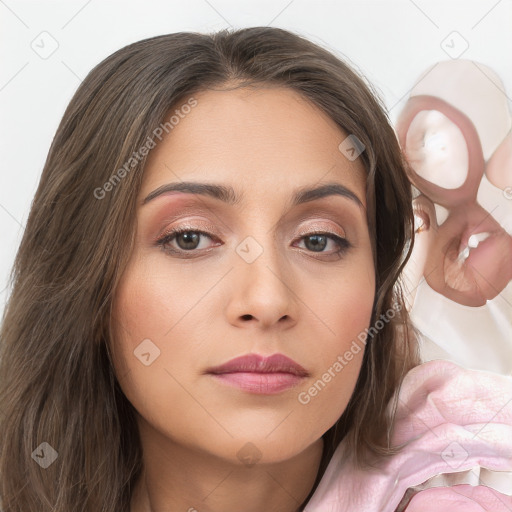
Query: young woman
(205,312)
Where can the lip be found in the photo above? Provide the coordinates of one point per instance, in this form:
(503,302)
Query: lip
(483,271)
(260,375)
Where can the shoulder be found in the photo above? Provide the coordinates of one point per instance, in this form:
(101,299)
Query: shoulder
(454,429)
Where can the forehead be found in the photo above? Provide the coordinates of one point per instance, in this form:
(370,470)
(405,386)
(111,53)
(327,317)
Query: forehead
(265,139)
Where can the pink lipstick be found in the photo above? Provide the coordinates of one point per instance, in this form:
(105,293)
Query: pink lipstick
(261,375)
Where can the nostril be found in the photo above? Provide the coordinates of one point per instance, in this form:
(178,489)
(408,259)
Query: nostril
(247,317)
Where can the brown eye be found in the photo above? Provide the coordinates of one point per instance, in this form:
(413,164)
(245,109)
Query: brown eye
(188,240)
(183,240)
(317,242)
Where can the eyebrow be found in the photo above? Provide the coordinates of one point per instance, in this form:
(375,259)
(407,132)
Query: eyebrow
(228,195)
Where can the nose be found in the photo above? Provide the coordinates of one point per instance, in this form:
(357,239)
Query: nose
(262,292)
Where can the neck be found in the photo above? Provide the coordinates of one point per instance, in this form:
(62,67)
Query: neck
(176,477)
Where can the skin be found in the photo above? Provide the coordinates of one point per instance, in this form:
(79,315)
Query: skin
(207,309)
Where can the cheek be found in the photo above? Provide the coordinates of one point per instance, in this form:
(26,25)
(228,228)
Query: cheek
(348,315)
(150,356)
(156,302)
(161,338)
(345,306)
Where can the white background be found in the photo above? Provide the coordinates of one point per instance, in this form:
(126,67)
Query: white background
(390,42)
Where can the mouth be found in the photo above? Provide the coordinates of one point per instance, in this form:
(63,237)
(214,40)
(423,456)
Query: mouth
(260,375)
(468,246)
(471,262)
(480,265)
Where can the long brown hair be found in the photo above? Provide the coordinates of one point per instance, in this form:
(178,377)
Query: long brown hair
(57,385)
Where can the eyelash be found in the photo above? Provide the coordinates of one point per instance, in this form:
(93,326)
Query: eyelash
(342,243)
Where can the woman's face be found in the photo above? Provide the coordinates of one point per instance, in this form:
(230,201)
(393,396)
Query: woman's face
(260,282)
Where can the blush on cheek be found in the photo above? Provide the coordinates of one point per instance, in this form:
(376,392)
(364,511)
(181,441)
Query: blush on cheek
(131,323)
(356,306)
(343,353)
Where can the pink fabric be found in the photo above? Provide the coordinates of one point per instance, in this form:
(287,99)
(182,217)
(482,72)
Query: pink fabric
(459,498)
(451,421)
